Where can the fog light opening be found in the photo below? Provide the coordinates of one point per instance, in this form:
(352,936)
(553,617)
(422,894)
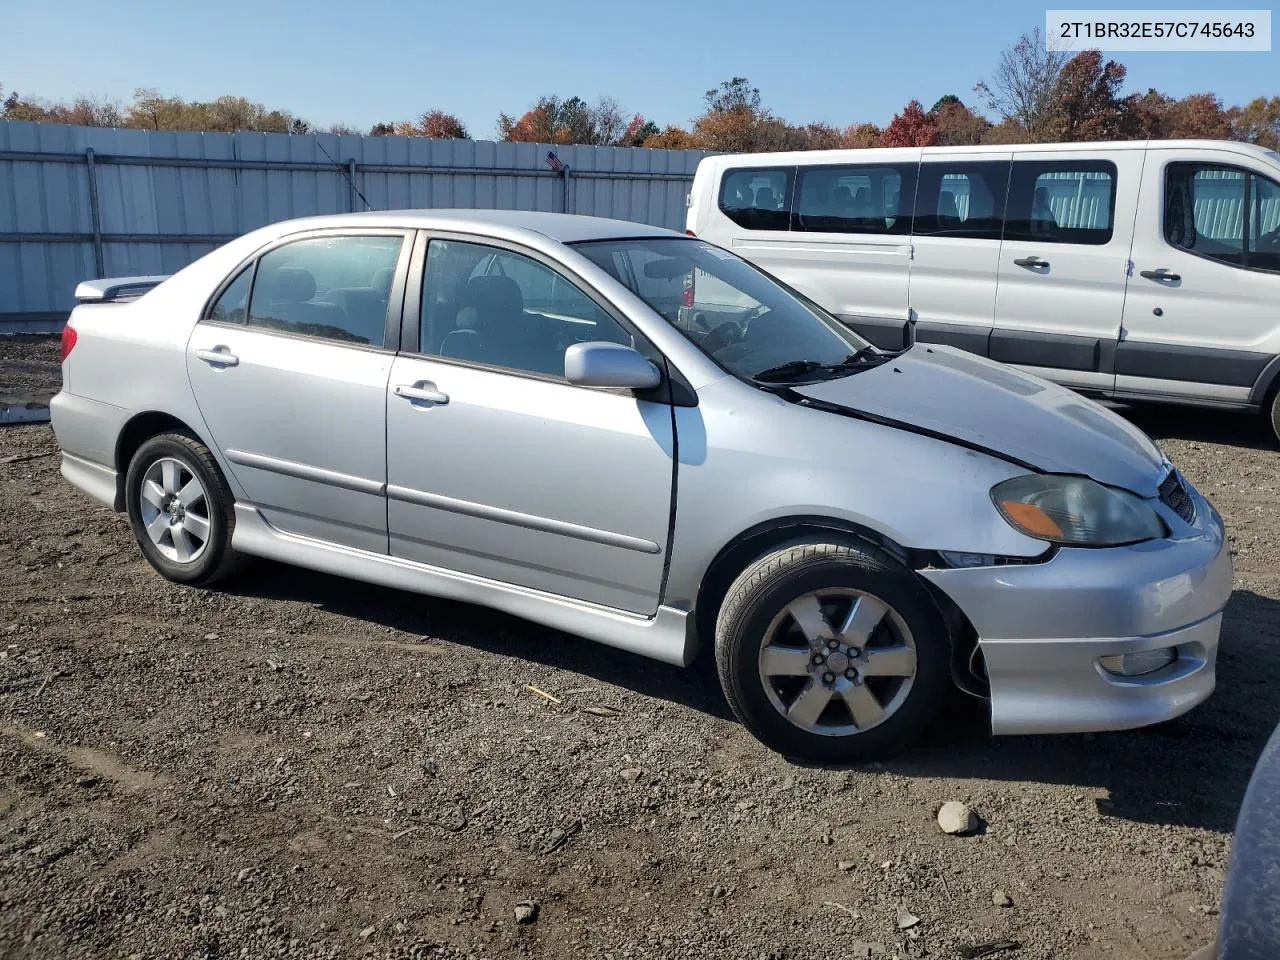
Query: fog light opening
(1139,664)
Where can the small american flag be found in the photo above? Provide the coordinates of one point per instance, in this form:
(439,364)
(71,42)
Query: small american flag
(554,162)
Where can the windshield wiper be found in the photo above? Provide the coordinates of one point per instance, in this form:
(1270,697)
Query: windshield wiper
(790,370)
(796,369)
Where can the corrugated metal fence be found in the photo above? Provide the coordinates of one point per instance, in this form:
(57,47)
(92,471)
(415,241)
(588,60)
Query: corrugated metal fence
(81,202)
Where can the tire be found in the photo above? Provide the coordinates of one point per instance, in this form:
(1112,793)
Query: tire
(1275,414)
(194,541)
(897,631)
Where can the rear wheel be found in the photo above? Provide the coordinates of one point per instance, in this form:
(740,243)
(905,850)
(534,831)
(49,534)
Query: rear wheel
(832,652)
(1275,414)
(180,509)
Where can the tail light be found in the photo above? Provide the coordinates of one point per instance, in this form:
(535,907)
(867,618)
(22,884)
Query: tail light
(686,299)
(68,340)
(691,233)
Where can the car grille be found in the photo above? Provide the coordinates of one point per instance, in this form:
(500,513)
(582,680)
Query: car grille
(1175,495)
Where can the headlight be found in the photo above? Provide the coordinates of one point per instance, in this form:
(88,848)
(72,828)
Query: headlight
(1075,511)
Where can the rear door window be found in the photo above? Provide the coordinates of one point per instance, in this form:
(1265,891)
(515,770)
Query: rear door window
(962,199)
(334,288)
(1056,201)
(758,199)
(856,199)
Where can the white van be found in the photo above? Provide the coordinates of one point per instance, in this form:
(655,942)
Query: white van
(1145,269)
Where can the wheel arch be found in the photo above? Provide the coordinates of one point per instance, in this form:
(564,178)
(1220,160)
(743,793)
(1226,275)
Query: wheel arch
(754,542)
(1267,384)
(136,431)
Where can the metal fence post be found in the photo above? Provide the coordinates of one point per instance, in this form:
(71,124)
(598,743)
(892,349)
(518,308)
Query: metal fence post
(351,185)
(95,214)
(564,173)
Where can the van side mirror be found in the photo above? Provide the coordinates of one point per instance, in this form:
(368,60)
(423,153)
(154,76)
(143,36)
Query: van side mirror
(602,364)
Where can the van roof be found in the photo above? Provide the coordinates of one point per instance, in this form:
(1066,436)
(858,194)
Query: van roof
(817,157)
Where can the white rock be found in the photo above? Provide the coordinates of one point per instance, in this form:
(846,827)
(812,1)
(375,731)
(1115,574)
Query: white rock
(1001,899)
(957,818)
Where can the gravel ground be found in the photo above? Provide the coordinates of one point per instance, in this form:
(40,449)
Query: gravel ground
(299,766)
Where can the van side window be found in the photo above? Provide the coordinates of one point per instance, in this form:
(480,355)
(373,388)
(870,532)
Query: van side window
(962,199)
(1263,247)
(1223,213)
(858,199)
(1061,201)
(758,199)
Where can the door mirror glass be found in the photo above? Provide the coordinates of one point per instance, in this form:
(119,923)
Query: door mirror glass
(601,364)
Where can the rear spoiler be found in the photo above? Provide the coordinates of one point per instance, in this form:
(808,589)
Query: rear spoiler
(115,289)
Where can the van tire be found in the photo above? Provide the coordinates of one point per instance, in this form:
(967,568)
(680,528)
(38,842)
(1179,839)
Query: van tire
(1275,414)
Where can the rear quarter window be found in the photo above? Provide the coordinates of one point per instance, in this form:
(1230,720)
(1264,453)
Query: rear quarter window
(758,199)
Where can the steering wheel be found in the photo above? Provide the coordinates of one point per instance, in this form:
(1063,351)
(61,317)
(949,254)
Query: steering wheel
(724,335)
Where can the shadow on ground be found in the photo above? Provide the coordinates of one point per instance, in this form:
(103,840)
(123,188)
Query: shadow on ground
(1165,421)
(1191,771)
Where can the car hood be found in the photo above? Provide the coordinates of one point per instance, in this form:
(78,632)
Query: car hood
(981,403)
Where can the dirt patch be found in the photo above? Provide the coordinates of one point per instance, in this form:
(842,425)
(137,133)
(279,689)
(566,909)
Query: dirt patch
(298,766)
(30,370)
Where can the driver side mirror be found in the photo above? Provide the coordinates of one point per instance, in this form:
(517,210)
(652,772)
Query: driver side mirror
(602,364)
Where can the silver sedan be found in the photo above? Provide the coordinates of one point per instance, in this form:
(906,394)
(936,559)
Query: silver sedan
(639,438)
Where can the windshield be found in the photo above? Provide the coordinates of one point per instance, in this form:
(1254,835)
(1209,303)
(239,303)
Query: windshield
(746,321)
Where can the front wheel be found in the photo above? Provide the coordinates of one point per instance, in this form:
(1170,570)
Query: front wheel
(1275,414)
(180,509)
(832,652)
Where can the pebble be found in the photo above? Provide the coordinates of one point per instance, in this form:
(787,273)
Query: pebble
(844,866)
(957,818)
(1001,899)
(906,919)
(526,911)
(211,636)
(367,932)
(630,774)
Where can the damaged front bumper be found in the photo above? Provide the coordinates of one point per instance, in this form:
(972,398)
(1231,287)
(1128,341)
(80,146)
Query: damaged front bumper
(1053,634)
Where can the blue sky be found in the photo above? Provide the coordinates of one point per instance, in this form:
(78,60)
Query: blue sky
(339,61)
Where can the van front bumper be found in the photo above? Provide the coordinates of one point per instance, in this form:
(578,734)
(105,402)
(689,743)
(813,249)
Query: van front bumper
(1045,628)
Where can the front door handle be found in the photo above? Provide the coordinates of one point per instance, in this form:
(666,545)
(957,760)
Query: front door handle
(1161,274)
(1033,262)
(424,391)
(218,357)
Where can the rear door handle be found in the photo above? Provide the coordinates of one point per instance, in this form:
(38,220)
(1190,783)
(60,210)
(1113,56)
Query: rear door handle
(1030,262)
(424,391)
(218,357)
(1160,275)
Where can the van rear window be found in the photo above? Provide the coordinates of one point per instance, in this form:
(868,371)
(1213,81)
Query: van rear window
(758,199)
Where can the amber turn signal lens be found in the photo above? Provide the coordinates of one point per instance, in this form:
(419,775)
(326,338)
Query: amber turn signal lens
(1031,519)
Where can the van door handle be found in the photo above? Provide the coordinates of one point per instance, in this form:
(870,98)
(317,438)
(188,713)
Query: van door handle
(424,391)
(1160,274)
(1033,262)
(218,357)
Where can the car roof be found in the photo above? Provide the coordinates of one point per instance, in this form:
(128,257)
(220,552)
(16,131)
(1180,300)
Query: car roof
(562,227)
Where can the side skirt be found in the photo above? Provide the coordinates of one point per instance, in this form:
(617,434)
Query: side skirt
(667,636)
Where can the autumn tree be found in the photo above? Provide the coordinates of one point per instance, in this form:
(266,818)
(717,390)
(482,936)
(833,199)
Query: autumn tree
(861,136)
(1258,121)
(572,120)
(672,137)
(910,128)
(1086,100)
(1024,85)
(638,131)
(956,124)
(821,136)
(438,125)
